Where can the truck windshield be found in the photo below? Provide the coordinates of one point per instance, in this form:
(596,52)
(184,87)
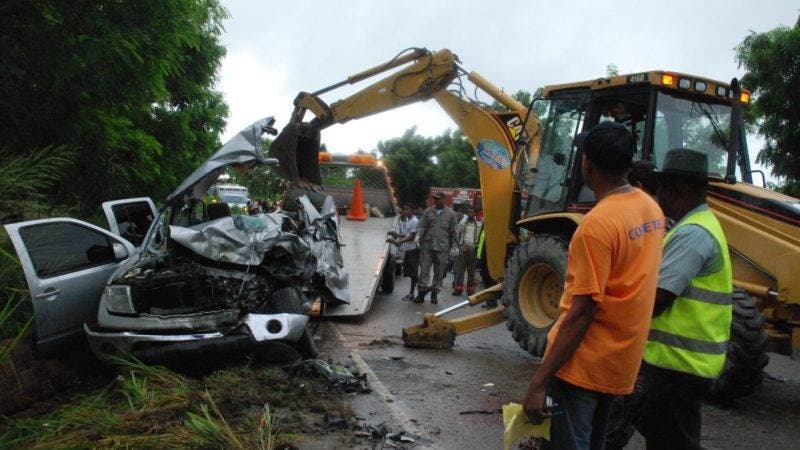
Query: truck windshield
(229,198)
(692,124)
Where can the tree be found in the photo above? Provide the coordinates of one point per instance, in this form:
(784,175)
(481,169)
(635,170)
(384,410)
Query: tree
(772,64)
(521,96)
(416,163)
(456,166)
(262,182)
(612,70)
(409,159)
(126,85)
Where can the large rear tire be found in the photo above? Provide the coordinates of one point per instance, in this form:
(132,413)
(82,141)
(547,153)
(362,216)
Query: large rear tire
(532,288)
(746,356)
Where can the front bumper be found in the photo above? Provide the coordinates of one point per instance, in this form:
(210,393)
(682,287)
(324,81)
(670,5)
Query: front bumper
(252,330)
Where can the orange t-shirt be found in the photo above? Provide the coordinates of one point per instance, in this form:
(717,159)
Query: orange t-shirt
(614,256)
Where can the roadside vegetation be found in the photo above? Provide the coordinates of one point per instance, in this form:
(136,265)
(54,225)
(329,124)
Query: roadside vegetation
(245,407)
(24,180)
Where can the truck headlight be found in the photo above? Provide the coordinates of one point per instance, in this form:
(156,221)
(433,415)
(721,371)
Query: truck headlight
(119,300)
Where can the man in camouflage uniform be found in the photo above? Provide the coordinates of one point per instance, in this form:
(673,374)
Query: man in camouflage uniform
(437,236)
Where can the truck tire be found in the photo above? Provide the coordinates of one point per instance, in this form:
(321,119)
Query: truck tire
(287,300)
(387,276)
(290,300)
(746,355)
(532,288)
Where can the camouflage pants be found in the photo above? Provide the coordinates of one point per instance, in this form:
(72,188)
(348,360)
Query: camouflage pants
(427,259)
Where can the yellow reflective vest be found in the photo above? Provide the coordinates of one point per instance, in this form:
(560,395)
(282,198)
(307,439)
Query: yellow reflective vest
(691,336)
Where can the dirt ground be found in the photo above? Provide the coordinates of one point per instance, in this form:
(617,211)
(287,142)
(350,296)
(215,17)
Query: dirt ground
(453,397)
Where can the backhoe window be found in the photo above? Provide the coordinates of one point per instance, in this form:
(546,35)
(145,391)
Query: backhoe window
(547,187)
(629,110)
(685,123)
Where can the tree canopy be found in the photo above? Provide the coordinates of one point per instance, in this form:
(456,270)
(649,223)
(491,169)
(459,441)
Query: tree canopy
(127,86)
(772,64)
(417,162)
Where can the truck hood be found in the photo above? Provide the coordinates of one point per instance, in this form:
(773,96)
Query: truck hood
(242,149)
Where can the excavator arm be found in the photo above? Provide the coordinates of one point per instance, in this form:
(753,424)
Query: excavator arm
(497,137)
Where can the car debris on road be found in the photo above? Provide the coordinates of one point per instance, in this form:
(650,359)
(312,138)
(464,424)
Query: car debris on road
(342,377)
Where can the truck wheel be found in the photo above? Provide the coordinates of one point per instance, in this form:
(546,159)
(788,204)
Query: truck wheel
(387,276)
(290,300)
(287,300)
(532,288)
(746,356)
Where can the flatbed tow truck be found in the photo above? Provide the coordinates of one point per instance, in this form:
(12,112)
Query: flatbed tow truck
(366,254)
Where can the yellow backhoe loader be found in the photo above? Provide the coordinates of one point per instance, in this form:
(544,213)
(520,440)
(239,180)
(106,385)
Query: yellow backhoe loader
(534,197)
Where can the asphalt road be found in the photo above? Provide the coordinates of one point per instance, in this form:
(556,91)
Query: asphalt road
(453,397)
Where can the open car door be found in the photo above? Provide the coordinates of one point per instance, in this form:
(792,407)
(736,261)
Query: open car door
(67,263)
(130,218)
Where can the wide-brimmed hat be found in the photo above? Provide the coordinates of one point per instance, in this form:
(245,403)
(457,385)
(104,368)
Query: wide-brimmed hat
(684,163)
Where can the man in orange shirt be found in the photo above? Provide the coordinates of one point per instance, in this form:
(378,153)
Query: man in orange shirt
(595,347)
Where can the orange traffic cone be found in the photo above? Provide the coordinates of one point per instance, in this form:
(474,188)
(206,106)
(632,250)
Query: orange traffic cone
(356,211)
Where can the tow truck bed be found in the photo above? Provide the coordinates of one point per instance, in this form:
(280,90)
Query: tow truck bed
(364,252)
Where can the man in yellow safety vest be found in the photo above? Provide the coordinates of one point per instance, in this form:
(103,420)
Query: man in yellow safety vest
(691,322)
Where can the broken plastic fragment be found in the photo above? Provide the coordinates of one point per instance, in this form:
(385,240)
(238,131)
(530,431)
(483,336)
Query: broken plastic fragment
(342,377)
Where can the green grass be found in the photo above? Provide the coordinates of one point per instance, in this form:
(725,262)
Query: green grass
(16,315)
(246,407)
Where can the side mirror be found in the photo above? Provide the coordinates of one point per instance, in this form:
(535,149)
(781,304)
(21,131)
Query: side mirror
(120,253)
(559,159)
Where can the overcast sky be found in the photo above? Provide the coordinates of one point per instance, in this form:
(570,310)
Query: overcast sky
(277,49)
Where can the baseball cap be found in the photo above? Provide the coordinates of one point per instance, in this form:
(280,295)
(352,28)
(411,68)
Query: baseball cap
(608,145)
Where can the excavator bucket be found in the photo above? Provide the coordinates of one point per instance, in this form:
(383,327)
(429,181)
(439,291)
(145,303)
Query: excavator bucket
(436,332)
(308,143)
(432,333)
(297,150)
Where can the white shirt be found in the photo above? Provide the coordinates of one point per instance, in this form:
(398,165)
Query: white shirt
(405,228)
(470,233)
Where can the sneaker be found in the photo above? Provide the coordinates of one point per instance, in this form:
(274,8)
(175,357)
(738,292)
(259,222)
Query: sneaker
(408,298)
(420,298)
(434,300)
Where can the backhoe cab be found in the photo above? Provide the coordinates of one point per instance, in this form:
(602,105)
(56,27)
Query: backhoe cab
(663,110)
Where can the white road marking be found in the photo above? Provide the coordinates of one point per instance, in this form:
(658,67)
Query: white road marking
(395,407)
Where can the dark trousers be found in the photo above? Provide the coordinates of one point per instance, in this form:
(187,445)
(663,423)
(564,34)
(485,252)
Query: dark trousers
(671,413)
(580,419)
(466,265)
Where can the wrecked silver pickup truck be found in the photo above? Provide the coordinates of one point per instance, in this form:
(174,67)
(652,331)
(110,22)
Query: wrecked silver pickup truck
(198,279)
